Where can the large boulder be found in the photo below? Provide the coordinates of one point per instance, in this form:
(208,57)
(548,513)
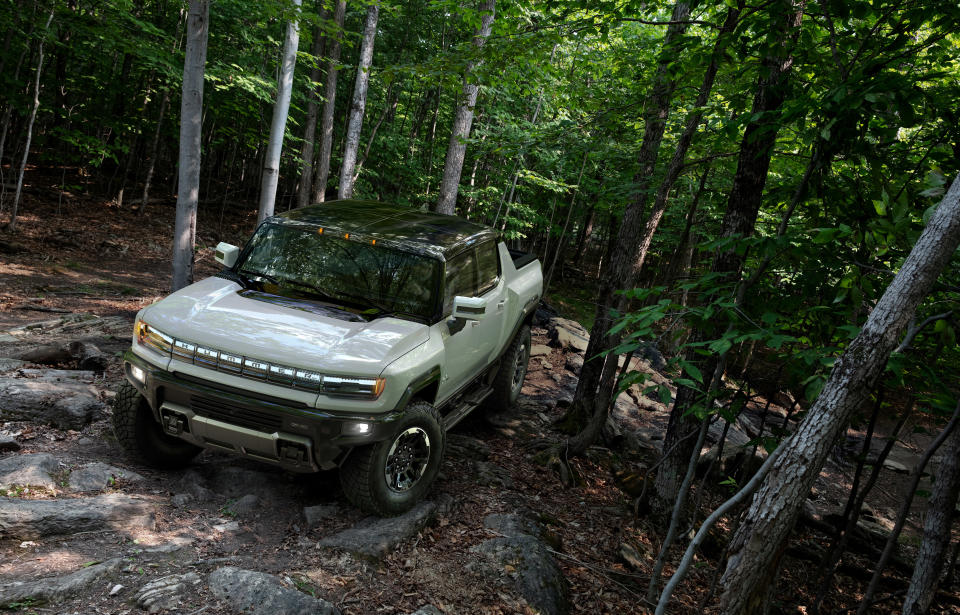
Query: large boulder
(257,593)
(165,593)
(28,471)
(375,537)
(65,404)
(55,588)
(97,476)
(27,519)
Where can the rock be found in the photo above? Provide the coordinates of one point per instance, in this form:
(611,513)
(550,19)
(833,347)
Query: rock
(55,588)
(28,470)
(64,404)
(244,506)
(178,543)
(631,556)
(181,500)
(537,350)
(574,363)
(427,610)
(465,447)
(493,475)
(568,325)
(546,364)
(8,443)
(81,355)
(227,526)
(97,476)
(191,483)
(165,593)
(262,594)
(26,519)
(521,556)
(8,365)
(313,515)
(567,340)
(375,537)
(896,466)
(116,589)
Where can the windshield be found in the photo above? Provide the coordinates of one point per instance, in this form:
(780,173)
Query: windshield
(375,279)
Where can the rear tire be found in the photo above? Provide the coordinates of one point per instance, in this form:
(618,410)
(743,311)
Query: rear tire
(141,437)
(388,478)
(512,371)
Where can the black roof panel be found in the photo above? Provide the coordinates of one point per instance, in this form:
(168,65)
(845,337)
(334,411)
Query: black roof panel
(399,227)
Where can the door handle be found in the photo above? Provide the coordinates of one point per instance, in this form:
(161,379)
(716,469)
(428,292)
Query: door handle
(500,306)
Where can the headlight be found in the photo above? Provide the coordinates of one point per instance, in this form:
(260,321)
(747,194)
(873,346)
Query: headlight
(148,336)
(354,387)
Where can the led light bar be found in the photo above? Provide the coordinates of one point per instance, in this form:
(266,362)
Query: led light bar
(248,367)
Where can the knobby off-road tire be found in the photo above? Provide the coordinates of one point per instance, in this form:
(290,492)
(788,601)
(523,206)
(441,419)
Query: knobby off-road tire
(142,437)
(512,371)
(387,478)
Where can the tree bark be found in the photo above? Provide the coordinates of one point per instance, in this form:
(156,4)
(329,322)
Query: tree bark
(936,531)
(313,109)
(761,538)
(278,125)
(345,190)
(12,226)
(746,196)
(322,172)
(457,149)
(191,122)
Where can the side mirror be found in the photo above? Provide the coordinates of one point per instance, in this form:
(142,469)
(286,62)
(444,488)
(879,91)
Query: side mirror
(226,254)
(469,308)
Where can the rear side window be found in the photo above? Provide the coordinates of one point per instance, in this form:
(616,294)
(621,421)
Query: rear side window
(461,279)
(488,264)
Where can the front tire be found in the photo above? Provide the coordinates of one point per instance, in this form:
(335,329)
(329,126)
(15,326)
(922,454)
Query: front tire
(141,436)
(387,478)
(512,371)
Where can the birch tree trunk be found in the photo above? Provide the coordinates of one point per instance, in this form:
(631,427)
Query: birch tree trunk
(278,125)
(191,122)
(322,172)
(758,544)
(12,226)
(462,121)
(936,531)
(310,125)
(359,103)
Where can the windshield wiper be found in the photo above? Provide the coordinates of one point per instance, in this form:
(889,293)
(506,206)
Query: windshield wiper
(260,274)
(314,290)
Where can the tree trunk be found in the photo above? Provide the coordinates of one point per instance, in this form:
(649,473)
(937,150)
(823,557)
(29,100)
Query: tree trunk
(191,121)
(621,270)
(746,195)
(154,149)
(278,125)
(313,109)
(936,531)
(761,538)
(12,226)
(322,172)
(463,119)
(359,103)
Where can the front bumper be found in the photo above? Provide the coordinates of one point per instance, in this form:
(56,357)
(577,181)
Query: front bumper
(278,431)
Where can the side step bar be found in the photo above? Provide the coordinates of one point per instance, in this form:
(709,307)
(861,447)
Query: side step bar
(466,405)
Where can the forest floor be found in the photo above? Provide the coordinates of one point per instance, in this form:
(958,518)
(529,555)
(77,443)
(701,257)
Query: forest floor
(88,257)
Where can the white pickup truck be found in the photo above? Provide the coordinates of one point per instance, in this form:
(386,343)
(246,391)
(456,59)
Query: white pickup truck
(350,334)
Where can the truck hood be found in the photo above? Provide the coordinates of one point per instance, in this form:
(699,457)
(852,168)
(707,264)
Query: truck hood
(213,313)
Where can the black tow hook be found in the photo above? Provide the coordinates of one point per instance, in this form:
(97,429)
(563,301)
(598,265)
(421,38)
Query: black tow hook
(174,424)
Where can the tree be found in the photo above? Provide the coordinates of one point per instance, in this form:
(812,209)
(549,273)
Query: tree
(757,546)
(310,126)
(358,105)
(12,226)
(191,120)
(743,205)
(929,566)
(457,148)
(278,126)
(322,172)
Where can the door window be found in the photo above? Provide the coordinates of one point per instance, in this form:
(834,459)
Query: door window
(461,279)
(488,265)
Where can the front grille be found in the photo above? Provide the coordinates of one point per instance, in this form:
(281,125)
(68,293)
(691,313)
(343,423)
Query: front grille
(241,416)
